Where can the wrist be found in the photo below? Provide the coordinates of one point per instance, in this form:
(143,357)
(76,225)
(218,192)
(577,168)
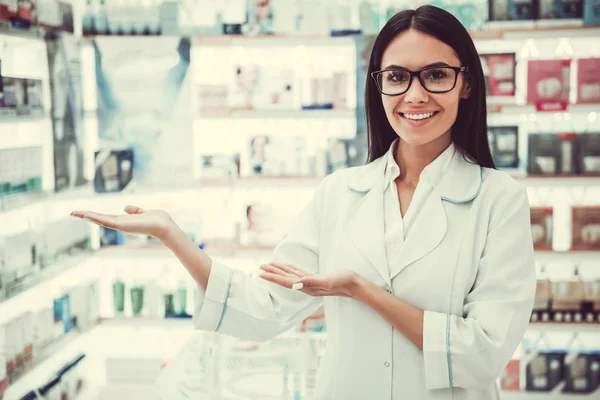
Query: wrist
(167,233)
(358,287)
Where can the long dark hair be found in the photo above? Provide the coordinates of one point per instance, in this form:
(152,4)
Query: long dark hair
(469,131)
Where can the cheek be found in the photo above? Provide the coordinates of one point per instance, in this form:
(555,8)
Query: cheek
(390,103)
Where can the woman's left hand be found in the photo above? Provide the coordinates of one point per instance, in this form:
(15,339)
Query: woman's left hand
(338,283)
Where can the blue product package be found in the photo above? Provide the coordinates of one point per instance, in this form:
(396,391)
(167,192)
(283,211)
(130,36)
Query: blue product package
(591,12)
(568,8)
(66,313)
(58,309)
(522,10)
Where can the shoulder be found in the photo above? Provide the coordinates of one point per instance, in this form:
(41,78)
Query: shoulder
(495,182)
(501,192)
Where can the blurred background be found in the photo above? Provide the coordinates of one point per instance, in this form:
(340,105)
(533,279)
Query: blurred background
(227,114)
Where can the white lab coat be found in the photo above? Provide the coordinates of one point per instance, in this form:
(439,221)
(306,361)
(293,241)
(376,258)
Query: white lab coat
(468,262)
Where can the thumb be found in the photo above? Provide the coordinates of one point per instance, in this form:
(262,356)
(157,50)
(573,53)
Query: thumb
(133,210)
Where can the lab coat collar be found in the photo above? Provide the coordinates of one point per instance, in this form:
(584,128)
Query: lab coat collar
(460,184)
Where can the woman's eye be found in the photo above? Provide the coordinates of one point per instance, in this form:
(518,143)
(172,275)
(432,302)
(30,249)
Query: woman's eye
(436,74)
(396,77)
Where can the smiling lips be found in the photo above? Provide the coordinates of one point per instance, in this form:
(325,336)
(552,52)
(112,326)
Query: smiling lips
(419,116)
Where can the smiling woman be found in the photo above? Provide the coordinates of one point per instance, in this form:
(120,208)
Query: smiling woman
(422,258)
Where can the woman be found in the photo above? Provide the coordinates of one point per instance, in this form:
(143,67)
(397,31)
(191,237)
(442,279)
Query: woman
(423,258)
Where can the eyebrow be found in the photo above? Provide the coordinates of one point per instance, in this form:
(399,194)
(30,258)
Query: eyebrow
(436,64)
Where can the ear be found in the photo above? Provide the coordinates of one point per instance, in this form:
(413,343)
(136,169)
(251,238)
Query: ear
(466,90)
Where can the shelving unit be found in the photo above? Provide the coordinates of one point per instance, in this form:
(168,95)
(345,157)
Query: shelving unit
(549,327)
(25,132)
(507,395)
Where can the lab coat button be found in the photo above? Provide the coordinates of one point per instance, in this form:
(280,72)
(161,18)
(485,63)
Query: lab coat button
(387,364)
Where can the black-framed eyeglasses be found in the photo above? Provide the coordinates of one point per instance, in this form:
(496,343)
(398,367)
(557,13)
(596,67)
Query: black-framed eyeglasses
(397,81)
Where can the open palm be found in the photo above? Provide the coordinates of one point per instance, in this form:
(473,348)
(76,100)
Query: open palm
(136,220)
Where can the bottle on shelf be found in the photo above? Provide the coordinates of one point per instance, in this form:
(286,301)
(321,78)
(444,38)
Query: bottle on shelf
(543,297)
(100,18)
(567,298)
(137,298)
(118,292)
(87,19)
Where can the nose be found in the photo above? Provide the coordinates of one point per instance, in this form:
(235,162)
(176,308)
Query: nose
(416,93)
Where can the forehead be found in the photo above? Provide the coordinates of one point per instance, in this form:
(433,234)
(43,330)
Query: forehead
(412,49)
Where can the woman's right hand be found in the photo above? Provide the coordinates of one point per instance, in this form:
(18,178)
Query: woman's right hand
(156,223)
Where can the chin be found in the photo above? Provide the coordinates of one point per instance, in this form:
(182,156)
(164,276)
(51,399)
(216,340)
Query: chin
(416,138)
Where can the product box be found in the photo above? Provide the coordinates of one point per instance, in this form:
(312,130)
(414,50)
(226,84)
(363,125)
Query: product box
(591,302)
(212,99)
(567,299)
(55,14)
(277,156)
(586,228)
(8,9)
(582,372)
(591,12)
(220,165)
(544,370)
(498,10)
(264,224)
(522,9)
(543,298)
(504,143)
(541,227)
(114,170)
(548,84)
(560,9)
(553,154)
(589,157)
(510,380)
(588,82)
(499,72)
(339,154)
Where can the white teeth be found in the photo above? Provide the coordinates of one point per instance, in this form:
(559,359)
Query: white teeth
(418,116)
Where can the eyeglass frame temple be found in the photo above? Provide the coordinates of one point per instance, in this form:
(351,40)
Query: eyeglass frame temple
(417,73)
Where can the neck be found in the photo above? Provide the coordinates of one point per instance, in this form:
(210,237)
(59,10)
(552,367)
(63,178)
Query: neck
(412,159)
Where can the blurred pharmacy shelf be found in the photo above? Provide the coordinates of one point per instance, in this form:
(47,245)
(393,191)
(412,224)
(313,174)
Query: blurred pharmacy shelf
(264,181)
(116,338)
(280,113)
(564,327)
(569,256)
(47,362)
(42,286)
(506,395)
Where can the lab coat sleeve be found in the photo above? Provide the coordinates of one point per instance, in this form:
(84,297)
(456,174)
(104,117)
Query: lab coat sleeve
(248,307)
(471,350)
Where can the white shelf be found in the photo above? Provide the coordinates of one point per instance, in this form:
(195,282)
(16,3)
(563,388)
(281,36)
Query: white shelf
(23,132)
(508,395)
(564,327)
(274,40)
(65,273)
(558,181)
(50,359)
(569,256)
(281,114)
(263,181)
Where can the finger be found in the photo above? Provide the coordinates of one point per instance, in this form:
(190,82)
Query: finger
(289,268)
(314,281)
(109,221)
(133,210)
(286,282)
(274,270)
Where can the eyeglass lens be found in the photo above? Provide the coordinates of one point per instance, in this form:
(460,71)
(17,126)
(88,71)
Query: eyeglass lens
(434,80)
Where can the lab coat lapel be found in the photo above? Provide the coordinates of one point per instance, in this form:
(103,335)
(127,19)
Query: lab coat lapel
(367,230)
(460,184)
(426,234)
